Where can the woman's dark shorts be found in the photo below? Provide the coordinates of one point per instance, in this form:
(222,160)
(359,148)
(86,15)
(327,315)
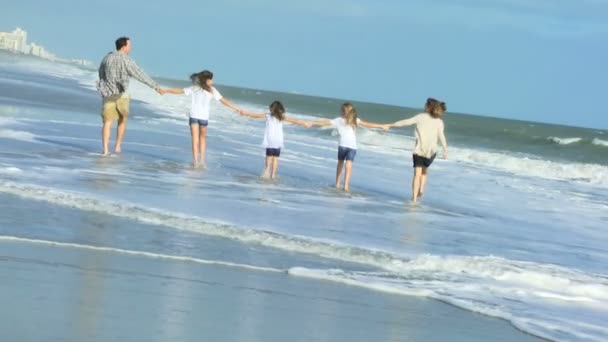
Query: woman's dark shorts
(420,161)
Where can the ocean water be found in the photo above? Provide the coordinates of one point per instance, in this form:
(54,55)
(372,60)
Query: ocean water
(512,226)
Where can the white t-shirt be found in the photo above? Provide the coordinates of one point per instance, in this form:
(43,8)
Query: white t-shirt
(273,136)
(201,101)
(348,135)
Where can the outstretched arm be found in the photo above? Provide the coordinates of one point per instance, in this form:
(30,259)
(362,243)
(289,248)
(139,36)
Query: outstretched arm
(299,122)
(176,91)
(406,122)
(321,123)
(230,105)
(374,125)
(139,74)
(252,115)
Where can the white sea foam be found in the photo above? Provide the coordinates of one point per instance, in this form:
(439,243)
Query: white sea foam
(175,258)
(600,142)
(533,167)
(564,141)
(10,170)
(522,293)
(17,135)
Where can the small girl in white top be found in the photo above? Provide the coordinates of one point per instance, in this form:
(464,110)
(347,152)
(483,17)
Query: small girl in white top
(202,92)
(273,135)
(347,127)
(429,129)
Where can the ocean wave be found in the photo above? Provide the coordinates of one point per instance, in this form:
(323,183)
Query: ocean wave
(599,142)
(565,141)
(10,170)
(196,224)
(534,297)
(175,258)
(17,135)
(521,293)
(533,167)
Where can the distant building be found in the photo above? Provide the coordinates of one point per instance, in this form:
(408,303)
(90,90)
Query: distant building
(39,51)
(82,62)
(15,41)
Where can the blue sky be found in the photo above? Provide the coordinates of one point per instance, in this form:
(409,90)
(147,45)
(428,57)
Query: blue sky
(541,60)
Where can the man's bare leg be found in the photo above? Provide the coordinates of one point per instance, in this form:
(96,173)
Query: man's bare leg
(105,136)
(120,133)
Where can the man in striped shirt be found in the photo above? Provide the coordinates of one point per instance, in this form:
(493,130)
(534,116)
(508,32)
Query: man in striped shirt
(114,73)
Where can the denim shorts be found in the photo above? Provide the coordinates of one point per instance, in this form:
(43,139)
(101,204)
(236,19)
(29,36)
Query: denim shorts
(346,153)
(200,122)
(273,152)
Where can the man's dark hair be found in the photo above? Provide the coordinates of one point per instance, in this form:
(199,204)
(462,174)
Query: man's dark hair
(120,42)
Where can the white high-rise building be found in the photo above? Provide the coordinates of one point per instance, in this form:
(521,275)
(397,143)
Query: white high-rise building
(15,41)
(39,51)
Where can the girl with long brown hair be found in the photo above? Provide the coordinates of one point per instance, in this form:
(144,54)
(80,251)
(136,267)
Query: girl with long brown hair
(202,92)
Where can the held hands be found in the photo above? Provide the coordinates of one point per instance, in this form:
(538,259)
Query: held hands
(307,124)
(386,127)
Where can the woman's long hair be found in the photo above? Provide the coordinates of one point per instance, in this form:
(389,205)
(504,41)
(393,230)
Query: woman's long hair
(435,107)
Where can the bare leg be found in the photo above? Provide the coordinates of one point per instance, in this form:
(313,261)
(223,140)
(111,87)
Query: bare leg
(194,134)
(266,173)
(416,183)
(105,136)
(339,172)
(120,133)
(203,143)
(275,165)
(425,172)
(347,172)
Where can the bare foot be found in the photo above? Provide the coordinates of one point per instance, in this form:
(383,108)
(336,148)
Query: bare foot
(265,175)
(346,189)
(117,149)
(105,153)
(420,194)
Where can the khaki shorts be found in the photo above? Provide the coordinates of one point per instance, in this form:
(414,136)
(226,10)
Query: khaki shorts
(115,107)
